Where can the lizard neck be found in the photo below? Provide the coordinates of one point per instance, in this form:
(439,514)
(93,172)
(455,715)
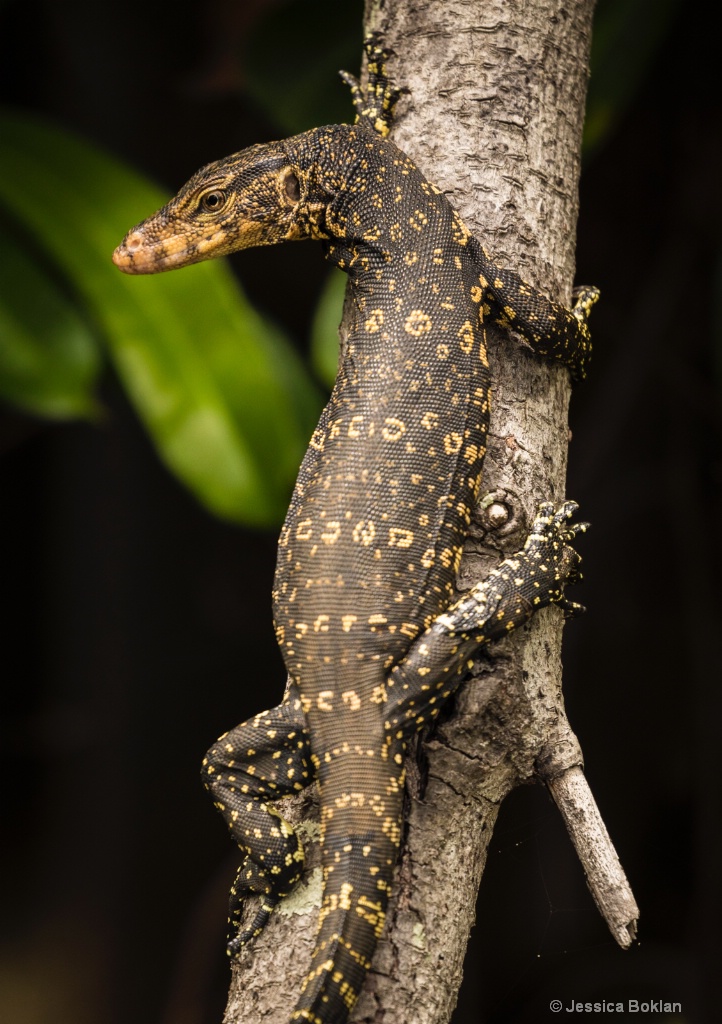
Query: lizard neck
(355,197)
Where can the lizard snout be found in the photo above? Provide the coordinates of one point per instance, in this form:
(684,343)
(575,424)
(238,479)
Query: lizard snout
(124,256)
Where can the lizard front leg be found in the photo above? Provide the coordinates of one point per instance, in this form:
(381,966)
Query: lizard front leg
(552,329)
(436,662)
(259,761)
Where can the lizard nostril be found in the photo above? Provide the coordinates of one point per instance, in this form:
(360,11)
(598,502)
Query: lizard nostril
(134,242)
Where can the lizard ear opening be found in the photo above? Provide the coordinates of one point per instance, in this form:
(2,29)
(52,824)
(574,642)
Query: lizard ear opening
(291,186)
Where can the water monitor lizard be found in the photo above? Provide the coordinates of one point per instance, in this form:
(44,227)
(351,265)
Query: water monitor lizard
(373,636)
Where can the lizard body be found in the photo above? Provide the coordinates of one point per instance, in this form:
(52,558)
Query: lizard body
(364,603)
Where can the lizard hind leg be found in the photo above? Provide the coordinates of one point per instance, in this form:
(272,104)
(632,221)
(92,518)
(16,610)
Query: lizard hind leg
(437,661)
(257,762)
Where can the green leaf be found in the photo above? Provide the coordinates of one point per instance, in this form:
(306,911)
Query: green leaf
(224,397)
(49,358)
(324,329)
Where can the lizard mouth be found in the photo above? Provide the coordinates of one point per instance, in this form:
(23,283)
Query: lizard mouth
(145,250)
(138,254)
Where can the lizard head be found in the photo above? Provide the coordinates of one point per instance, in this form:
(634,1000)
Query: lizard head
(248,199)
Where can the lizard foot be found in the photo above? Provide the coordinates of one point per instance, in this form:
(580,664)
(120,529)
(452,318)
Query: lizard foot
(552,564)
(584,298)
(376,102)
(524,582)
(250,881)
(253,881)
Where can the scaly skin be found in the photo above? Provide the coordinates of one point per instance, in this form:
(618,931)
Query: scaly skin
(364,607)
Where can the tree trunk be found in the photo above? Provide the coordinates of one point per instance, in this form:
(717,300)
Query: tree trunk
(493,115)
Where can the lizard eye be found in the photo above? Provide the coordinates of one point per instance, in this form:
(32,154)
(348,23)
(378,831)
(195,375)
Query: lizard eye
(213,201)
(292,187)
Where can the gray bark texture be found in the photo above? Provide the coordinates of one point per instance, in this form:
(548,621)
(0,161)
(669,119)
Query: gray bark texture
(493,115)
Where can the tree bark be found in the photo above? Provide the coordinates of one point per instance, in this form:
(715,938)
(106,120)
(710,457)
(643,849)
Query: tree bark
(493,115)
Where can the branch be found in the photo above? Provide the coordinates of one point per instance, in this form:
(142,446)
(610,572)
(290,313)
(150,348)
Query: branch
(493,115)
(606,880)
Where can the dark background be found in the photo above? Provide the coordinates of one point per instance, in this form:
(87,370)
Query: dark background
(137,628)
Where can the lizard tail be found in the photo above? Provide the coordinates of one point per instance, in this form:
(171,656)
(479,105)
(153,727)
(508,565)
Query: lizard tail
(357,873)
